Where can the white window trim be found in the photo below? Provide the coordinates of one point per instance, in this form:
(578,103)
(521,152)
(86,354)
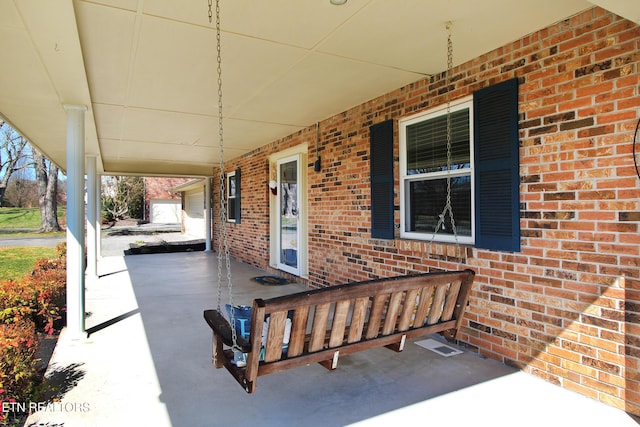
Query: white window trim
(229,198)
(460,104)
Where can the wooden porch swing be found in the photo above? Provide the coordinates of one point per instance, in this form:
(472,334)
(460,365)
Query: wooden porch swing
(321,325)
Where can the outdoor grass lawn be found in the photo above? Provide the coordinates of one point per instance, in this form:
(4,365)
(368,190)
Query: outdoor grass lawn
(22,217)
(15,262)
(19,218)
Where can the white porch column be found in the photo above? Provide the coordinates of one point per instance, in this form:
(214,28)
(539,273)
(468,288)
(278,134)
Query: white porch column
(92,254)
(208,213)
(98,217)
(75,220)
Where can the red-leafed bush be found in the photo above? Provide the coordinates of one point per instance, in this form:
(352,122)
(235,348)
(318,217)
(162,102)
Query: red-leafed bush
(18,374)
(17,301)
(33,304)
(39,296)
(48,280)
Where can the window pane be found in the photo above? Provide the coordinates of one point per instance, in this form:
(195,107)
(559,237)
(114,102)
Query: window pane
(427,144)
(231,210)
(427,200)
(231,196)
(231,186)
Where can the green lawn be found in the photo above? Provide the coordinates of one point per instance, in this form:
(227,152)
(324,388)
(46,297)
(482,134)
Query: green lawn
(19,261)
(19,218)
(15,262)
(23,217)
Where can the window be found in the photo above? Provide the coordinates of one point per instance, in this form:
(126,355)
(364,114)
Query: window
(424,172)
(484,171)
(233,196)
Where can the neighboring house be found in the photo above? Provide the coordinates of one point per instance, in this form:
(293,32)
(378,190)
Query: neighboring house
(544,192)
(192,212)
(161,204)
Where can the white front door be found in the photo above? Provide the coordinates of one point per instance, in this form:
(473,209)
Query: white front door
(288,208)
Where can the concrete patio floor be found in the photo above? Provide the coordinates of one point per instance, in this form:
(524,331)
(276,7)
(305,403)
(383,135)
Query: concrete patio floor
(147,361)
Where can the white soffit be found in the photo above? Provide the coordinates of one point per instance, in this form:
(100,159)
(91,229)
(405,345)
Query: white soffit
(477,27)
(629,9)
(147,69)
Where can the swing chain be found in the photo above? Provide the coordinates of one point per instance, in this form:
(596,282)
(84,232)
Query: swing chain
(449,136)
(448,208)
(223,242)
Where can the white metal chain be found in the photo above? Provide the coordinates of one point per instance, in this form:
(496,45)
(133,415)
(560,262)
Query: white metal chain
(448,208)
(223,241)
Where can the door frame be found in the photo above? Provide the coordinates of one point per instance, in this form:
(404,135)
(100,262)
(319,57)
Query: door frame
(300,153)
(279,229)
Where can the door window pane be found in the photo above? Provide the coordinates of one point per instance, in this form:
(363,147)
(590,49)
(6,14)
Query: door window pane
(289,214)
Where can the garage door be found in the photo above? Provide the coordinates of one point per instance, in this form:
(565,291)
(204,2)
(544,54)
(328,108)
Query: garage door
(194,219)
(165,211)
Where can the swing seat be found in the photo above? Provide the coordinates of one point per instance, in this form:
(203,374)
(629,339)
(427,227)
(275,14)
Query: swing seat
(220,324)
(335,321)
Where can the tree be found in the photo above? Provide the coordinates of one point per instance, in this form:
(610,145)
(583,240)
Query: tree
(122,196)
(47,183)
(12,153)
(21,193)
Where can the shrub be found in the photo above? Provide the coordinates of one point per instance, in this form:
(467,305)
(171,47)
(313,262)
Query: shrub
(18,373)
(39,296)
(17,301)
(48,281)
(19,378)
(34,303)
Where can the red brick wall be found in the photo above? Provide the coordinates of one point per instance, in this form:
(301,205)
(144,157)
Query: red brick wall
(565,308)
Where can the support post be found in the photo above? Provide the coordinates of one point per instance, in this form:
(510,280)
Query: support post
(92,256)
(208,213)
(75,220)
(98,217)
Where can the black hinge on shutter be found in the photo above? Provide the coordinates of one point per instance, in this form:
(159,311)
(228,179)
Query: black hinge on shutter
(381,160)
(497,167)
(238,199)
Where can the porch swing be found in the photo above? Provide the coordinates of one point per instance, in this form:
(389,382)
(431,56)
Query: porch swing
(321,325)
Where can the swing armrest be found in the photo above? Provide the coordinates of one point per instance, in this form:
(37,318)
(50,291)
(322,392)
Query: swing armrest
(222,328)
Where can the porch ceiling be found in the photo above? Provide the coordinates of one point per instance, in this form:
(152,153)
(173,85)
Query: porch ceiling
(146,70)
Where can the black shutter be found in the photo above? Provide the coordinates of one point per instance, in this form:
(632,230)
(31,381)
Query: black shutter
(238,199)
(497,167)
(381,159)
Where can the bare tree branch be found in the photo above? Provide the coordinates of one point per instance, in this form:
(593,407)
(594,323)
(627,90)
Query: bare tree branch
(12,154)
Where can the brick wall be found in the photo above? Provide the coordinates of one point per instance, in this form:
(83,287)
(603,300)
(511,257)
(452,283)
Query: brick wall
(565,308)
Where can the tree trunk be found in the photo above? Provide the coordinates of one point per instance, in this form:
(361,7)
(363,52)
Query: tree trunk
(50,222)
(47,182)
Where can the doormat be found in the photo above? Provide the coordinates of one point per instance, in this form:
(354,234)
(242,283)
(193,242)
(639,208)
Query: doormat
(270,280)
(438,347)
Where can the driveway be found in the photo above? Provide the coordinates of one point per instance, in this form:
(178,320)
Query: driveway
(8,239)
(114,240)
